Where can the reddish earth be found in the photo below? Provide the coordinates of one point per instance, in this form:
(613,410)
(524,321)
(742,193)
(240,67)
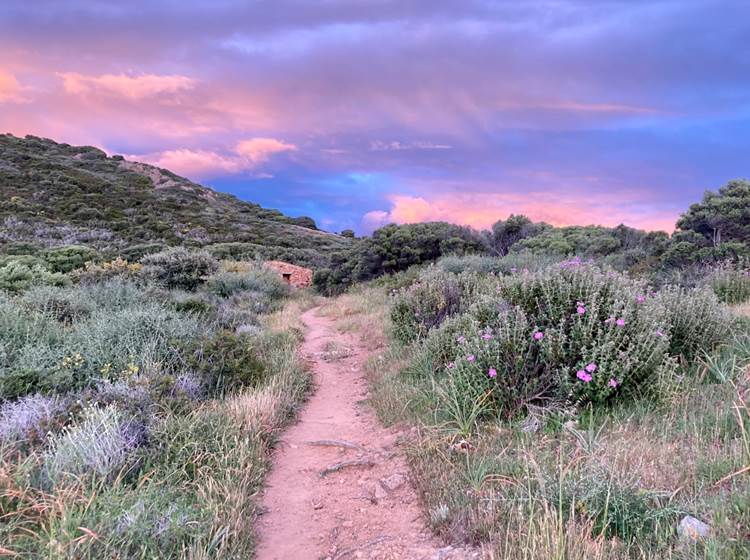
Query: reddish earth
(365,509)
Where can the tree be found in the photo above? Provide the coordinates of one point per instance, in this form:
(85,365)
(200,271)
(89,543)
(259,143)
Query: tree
(505,234)
(721,217)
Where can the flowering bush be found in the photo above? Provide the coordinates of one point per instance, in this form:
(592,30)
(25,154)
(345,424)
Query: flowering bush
(566,333)
(435,297)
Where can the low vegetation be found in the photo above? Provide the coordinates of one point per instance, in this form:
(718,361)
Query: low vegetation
(567,410)
(139,405)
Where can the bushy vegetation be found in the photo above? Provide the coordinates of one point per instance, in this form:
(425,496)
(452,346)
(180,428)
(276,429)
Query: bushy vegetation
(68,203)
(567,410)
(123,401)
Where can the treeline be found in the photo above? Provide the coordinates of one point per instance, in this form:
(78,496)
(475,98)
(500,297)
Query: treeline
(717,229)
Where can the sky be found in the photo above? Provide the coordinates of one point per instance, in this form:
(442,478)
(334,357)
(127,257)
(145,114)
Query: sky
(361,113)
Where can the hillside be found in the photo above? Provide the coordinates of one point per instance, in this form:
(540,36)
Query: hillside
(56,194)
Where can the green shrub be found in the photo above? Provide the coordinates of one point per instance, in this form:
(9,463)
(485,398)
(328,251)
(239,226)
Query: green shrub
(433,298)
(64,304)
(227,361)
(16,277)
(179,267)
(256,279)
(730,283)
(698,321)
(68,258)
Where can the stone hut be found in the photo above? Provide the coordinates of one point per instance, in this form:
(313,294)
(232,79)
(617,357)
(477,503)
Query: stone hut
(297,276)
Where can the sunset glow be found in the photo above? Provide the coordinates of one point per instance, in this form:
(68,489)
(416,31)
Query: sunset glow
(364,113)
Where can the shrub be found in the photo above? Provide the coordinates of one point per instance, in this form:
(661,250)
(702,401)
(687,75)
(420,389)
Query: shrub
(698,321)
(16,277)
(566,333)
(730,283)
(435,297)
(68,258)
(179,267)
(227,361)
(102,445)
(256,279)
(64,304)
(28,420)
(118,268)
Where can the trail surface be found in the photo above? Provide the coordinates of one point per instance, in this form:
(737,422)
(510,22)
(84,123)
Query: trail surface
(363,506)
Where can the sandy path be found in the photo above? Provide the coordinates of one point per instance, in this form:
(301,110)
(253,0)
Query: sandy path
(358,511)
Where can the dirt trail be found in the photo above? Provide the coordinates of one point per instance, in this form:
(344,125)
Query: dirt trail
(366,510)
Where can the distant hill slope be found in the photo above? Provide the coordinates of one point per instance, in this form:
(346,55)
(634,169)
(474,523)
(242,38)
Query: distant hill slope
(56,194)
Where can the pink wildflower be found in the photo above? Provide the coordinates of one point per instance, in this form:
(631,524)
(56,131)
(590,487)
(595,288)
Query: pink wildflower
(580,310)
(609,320)
(487,336)
(640,299)
(613,382)
(620,322)
(538,335)
(470,358)
(583,376)
(513,269)
(658,333)
(450,365)
(492,372)
(591,368)
(461,339)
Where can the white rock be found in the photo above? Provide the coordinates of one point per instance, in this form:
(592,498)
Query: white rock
(693,529)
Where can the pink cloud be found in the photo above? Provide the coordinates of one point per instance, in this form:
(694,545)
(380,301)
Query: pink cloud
(199,164)
(192,163)
(259,150)
(10,89)
(482,209)
(123,85)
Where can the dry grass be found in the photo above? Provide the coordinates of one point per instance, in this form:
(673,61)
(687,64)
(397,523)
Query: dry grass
(363,312)
(743,309)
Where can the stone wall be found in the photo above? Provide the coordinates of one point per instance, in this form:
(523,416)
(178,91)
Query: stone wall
(297,276)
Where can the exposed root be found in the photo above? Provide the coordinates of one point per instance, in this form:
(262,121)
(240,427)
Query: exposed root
(346,464)
(336,443)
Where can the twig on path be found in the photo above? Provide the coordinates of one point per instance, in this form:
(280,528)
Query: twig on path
(336,443)
(368,544)
(345,464)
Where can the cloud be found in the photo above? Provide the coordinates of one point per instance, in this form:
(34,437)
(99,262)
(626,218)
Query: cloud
(481,210)
(248,154)
(11,90)
(259,150)
(123,85)
(381,146)
(192,163)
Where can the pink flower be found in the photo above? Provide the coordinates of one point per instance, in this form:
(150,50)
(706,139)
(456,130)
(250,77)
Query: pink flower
(492,372)
(658,333)
(470,358)
(513,269)
(580,310)
(591,368)
(640,299)
(461,339)
(610,320)
(487,336)
(583,376)
(450,365)
(613,382)
(538,335)
(620,322)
